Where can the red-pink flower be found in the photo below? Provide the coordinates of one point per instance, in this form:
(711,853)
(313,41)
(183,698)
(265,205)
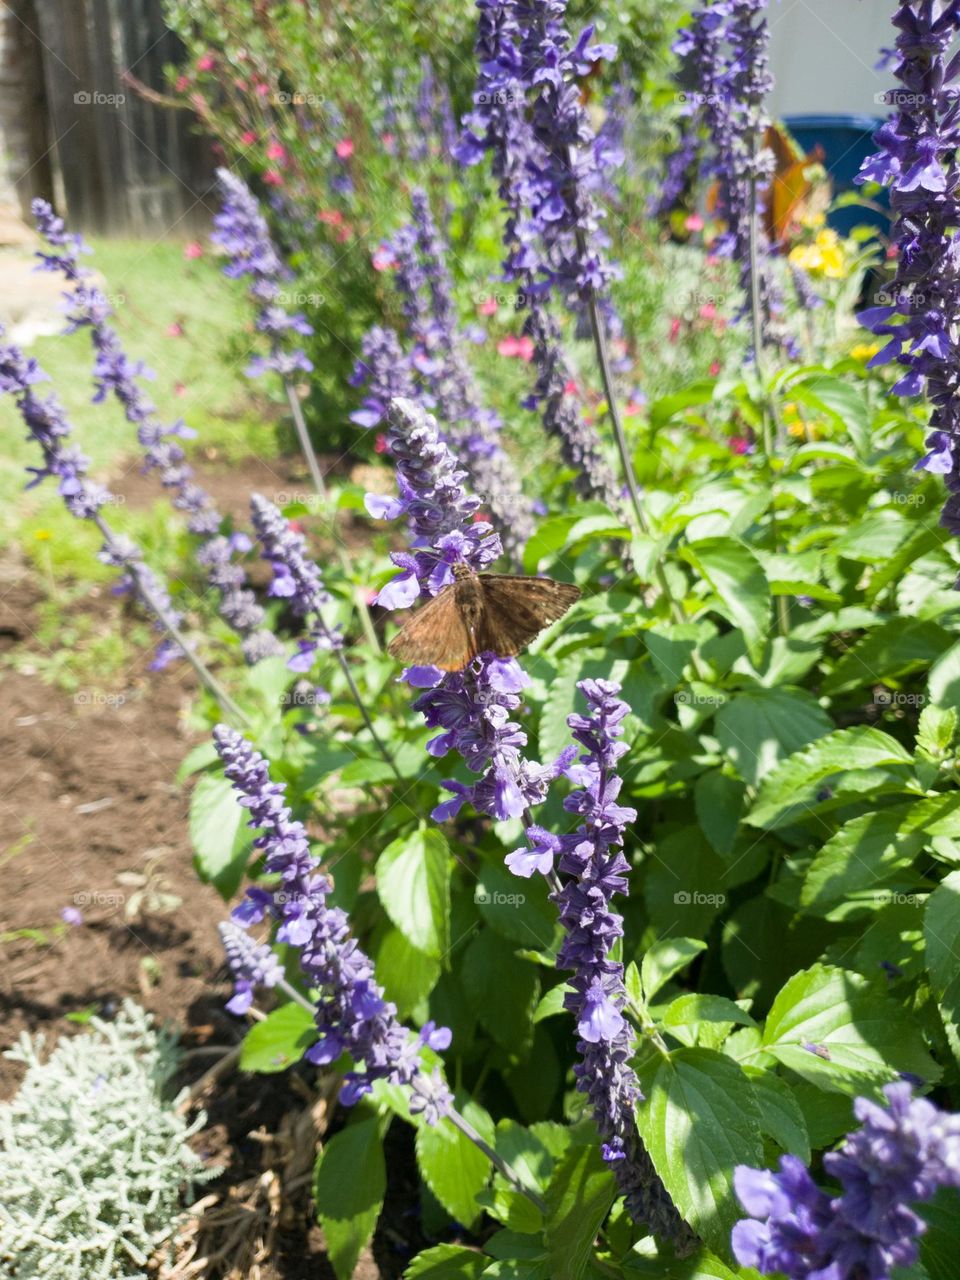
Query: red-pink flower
(694,222)
(715,368)
(248,137)
(277,151)
(344,148)
(739,444)
(332,217)
(241,85)
(380,443)
(272,178)
(570,388)
(261,88)
(632,408)
(175,330)
(674,329)
(522,348)
(206,62)
(708,311)
(183,83)
(179,389)
(488,307)
(193,249)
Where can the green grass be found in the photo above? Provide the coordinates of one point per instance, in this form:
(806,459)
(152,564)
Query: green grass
(152,287)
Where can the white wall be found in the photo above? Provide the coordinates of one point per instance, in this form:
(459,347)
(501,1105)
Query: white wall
(823,54)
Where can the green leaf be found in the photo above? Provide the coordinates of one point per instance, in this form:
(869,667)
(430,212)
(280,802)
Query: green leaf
(579,1197)
(936,730)
(406,974)
(413,883)
(349,1182)
(446,1262)
(871,848)
(943,683)
(664,959)
(735,574)
(644,1262)
(683,1016)
(202,756)
(517,909)
(505,1008)
(844,403)
(780,1116)
(790,792)
(452,1167)
(700,1119)
(896,648)
(758,729)
(940,1243)
(857,1034)
(941,928)
(718,801)
(221,839)
(280,1040)
(552,1003)
(662,410)
(360,771)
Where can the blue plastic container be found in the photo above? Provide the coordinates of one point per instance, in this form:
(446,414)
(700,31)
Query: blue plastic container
(846,141)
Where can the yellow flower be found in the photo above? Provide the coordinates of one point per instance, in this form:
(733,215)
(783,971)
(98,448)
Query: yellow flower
(824,257)
(864,351)
(796,429)
(43,535)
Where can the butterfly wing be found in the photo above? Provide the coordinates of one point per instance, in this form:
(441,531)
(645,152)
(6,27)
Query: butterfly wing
(516,609)
(435,636)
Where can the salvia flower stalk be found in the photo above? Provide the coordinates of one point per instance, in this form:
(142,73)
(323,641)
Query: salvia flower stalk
(351,1014)
(917,162)
(423,281)
(115,373)
(47,426)
(471,708)
(593,870)
(241,230)
(901,1155)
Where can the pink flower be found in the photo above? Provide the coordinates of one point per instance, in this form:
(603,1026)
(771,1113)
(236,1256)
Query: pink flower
(522,348)
(383,259)
(192,249)
(332,217)
(570,388)
(708,311)
(206,62)
(272,178)
(674,329)
(248,137)
(740,444)
(632,408)
(241,85)
(277,151)
(261,88)
(175,330)
(344,148)
(380,444)
(343,234)
(388,140)
(179,389)
(694,222)
(488,307)
(715,368)
(183,83)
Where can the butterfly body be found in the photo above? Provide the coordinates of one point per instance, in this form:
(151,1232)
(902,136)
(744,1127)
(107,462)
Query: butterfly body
(481,613)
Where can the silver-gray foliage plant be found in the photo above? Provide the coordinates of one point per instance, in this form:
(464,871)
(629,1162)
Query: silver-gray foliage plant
(93,1154)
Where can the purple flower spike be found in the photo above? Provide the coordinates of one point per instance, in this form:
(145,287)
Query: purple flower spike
(352,1016)
(917,162)
(902,1154)
(591,863)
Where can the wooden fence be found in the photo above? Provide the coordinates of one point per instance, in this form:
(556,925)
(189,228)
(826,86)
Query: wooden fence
(126,165)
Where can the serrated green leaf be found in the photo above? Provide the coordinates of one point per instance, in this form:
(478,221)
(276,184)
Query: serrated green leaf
(452,1167)
(683,1015)
(413,883)
(833,1028)
(940,1243)
(280,1040)
(666,958)
(505,1009)
(718,800)
(200,757)
(645,1262)
(579,1197)
(700,1119)
(943,682)
(760,728)
(893,650)
(349,1182)
(446,1262)
(780,1116)
(735,574)
(791,790)
(406,974)
(871,848)
(941,928)
(221,839)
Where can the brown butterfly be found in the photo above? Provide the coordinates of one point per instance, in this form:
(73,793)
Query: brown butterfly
(481,613)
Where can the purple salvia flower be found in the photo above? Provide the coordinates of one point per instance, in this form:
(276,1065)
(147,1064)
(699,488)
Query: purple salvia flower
(352,1015)
(498,124)
(297,580)
(116,374)
(252,964)
(902,1154)
(47,425)
(917,162)
(593,870)
(471,708)
(426,291)
(440,511)
(242,232)
(384,372)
